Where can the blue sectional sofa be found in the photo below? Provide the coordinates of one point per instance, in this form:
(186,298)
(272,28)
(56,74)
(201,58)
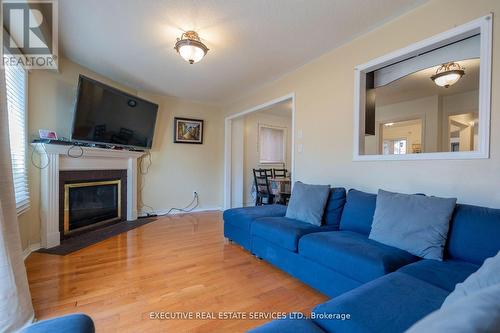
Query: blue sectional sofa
(74,323)
(382,288)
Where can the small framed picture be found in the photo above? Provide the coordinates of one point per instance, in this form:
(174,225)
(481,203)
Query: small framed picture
(188,130)
(47,134)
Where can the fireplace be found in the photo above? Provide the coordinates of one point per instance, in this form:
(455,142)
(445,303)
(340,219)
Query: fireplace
(91,200)
(91,203)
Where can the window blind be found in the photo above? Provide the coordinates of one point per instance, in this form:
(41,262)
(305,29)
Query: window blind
(15,78)
(272,145)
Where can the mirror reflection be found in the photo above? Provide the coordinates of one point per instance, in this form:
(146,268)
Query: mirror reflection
(430,110)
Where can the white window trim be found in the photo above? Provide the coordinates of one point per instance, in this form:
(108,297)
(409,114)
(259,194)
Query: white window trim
(285,140)
(26,207)
(483,26)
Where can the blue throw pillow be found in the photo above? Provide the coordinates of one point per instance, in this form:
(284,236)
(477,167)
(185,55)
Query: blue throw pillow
(414,223)
(334,207)
(307,203)
(358,212)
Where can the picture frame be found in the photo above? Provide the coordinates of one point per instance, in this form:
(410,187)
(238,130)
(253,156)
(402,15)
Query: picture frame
(188,130)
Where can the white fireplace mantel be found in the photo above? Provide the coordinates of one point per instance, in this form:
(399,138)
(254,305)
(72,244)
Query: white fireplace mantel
(55,158)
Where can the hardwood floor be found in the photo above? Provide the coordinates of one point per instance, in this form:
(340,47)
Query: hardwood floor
(177,263)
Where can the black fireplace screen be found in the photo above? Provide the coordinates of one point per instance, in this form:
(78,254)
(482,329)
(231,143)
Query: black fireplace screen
(89,203)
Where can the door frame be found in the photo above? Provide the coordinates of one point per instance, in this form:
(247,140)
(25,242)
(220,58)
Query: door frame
(228,142)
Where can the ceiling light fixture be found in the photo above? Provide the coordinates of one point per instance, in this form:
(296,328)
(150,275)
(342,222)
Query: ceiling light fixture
(448,74)
(190,47)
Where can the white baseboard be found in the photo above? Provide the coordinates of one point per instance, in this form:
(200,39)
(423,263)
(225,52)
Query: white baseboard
(175,212)
(32,248)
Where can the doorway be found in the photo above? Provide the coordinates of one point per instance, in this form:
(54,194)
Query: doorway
(260,137)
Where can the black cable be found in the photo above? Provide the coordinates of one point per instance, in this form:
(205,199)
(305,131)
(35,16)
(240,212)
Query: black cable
(148,155)
(68,153)
(143,182)
(46,155)
(185,209)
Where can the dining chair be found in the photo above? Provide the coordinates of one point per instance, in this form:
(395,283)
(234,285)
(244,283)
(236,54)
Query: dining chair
(264,196)
(268,172)
(280,173)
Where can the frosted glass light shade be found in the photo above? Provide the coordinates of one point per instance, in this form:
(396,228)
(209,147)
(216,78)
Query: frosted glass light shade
(448,74)
(191,53)
(447,80)
(190,47)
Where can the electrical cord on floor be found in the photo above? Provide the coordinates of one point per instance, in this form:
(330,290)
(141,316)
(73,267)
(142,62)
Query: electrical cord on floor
(186,209)
(189,208)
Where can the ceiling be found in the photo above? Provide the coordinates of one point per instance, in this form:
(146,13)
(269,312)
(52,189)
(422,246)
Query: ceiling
(281,109)
(419,85)
(404,123)
(251,42)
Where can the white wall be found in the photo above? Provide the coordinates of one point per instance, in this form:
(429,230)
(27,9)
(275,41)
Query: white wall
(237,162)
(467,102)
(324,91)
(179,169)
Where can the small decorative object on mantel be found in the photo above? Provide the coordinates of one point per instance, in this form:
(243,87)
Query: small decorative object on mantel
(188,130)
(47,134)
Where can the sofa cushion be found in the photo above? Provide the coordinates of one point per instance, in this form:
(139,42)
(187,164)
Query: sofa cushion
(358,212)
(477,312)
(243,217)
(353,254)
(283,231)
(443,274)
(334,206)
(474,233)
(74,323)
(416,223)
(487,275)
(238,235)
(307,203)
(288,325)
(389,304)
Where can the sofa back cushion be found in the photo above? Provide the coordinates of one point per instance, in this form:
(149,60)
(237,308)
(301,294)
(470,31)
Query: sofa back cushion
(474,233)
(415,223)
(334,207)
(308,202)
(358,212)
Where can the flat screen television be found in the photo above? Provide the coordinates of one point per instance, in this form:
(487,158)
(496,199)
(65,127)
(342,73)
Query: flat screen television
(106,115)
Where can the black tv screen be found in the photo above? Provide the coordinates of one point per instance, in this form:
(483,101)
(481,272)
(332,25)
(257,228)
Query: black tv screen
(107,115)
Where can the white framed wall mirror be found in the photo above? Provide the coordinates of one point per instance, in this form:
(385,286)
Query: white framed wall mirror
(430,100)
